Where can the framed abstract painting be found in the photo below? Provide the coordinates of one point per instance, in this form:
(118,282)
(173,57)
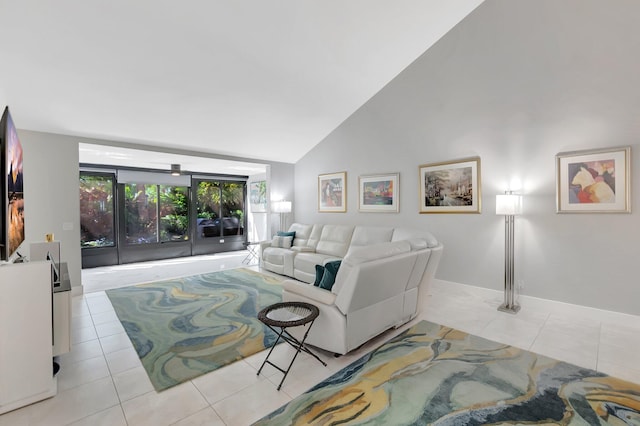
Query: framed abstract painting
(450,186)
(332,193)
(379,193)
(593,181)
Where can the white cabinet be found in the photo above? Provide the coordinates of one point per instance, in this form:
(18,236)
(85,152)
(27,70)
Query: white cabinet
(61,322)
(26,335)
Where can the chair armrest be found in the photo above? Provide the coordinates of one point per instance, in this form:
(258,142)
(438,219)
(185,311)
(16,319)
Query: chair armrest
(309,291)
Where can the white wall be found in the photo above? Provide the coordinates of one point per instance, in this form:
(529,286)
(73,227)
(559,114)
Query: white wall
(52,202)
(514,83)
(280,187)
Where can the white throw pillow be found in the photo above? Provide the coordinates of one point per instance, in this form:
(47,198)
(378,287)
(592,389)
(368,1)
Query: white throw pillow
(282,242)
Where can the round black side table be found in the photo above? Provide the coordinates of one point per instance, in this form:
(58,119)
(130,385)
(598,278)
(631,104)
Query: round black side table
(284,315)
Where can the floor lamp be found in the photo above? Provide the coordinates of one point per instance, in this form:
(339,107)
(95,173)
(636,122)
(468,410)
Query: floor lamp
(282,208)
(509,205)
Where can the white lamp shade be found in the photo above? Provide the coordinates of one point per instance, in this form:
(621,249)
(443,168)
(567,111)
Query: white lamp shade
(282,207)
(508,204)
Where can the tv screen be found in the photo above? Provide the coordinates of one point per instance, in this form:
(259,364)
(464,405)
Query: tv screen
(13,186)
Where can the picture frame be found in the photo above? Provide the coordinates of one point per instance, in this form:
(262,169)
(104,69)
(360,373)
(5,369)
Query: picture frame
(379,193)
(450,186)
(594,181)
(258,196)
(332,192)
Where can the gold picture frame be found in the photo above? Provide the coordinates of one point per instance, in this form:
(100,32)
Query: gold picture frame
(450,186)
(332,192)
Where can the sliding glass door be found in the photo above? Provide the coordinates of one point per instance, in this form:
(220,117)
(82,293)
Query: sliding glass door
(219,215)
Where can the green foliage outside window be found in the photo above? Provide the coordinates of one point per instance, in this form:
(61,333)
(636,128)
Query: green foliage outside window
(96,210)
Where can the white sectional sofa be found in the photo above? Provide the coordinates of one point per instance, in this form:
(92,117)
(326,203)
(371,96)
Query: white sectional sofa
(377,287)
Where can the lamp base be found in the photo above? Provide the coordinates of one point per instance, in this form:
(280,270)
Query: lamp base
(510,309)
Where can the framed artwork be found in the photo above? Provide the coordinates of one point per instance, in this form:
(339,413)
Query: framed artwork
(593,181)
(450,187)
(258,196)
(332,193)
(379,193)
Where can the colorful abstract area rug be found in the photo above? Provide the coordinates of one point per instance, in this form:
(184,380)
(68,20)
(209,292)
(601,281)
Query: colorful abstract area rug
(435,375)
(185,327)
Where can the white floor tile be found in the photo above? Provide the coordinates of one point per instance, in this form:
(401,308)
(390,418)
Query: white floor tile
(123,360)
(109,328)
(164,408)
(115,342)
(74,404)
(104,317)
(80,352)
(81,321)
(82,372)
(568,347)
(509,329)
(621,372)
(226,381)
(132,383)
(250,404)
(110,417)
(19,417)
(206,417)
(99,305)
(83,334)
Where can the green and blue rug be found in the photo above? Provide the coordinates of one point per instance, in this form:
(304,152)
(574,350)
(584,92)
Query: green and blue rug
(185,327)
(436,375)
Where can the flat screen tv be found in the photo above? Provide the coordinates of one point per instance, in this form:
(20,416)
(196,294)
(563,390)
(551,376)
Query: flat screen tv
(12,188)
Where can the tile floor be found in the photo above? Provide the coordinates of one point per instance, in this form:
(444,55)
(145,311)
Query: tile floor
(102,382)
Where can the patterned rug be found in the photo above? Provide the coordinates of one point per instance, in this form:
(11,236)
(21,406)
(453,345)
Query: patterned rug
(186,327)
(437,375)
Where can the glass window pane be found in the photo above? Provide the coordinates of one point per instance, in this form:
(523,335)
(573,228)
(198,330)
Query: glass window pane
(96,211)
(232,208)
(140,213)
(208,205)
(174,213)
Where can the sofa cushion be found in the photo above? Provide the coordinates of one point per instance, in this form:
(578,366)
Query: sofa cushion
(281,242)
(364,254)
(367,235)
(303,232)
(329,275)
(306,262)
(334,240)
(276,255)
(400,234)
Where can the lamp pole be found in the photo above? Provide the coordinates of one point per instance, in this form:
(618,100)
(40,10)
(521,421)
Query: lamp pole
(509,205)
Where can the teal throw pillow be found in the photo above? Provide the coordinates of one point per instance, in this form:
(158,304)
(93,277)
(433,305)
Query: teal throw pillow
(329,276)
(291,234)
(319,274)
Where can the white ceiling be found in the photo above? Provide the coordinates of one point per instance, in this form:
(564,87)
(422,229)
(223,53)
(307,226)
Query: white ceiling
(260,79)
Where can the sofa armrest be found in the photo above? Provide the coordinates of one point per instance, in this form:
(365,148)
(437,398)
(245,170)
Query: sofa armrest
(309,291)
(264,245)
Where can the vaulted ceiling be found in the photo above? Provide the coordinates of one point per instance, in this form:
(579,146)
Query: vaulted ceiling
(260,79)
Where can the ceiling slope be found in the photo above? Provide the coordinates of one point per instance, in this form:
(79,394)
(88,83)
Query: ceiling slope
(256,79)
